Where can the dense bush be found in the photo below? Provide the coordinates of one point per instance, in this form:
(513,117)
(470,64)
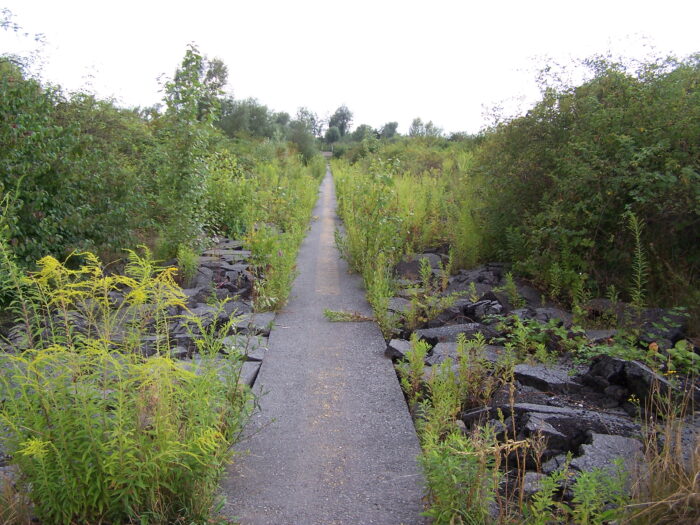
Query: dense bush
(561,179)
(74,165)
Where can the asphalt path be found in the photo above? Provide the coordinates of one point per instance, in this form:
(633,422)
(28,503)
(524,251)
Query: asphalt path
(333,442)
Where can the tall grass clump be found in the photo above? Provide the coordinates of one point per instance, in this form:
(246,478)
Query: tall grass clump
(461,470)
(98,432)
(405,198)
(279,211)
(368,205)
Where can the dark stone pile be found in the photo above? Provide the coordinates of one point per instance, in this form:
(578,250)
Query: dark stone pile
(590,410)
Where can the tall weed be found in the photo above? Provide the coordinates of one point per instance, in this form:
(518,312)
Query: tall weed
(99,432)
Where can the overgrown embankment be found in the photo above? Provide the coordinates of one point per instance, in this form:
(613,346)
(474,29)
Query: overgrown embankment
(522,405)
(79,173)
(122,393)
(552,192)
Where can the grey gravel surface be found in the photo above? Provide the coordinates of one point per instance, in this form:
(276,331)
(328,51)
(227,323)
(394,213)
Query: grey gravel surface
(333,442)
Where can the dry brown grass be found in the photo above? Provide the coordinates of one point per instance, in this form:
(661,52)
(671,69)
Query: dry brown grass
(15,508)
(667,485)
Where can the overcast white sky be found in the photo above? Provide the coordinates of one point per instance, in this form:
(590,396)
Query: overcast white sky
(441,60)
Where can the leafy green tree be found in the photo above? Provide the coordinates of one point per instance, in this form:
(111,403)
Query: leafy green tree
(215,77)
(304,141)
(247,117)
(431,130)
(282,118)
(196,87)
(332,135)
(341,119)
(389,130)
(363,131)
(417,128)
(310,119)
(187,136)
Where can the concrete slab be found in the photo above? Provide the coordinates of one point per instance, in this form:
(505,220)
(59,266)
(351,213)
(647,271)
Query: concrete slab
(333,442)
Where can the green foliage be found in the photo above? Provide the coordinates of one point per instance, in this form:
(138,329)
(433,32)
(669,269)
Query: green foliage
(99,432)
(332,135)
(187,263)
(379,284)
(426,197)
(530,339)
(419,129)
(562,176)
(303,140)
(75,167)
(228,194)
(389,130)
(511,290)
(186,136)
(411,371)
(209,337)
(682,358)
(640,267)
(366,203)
(580,297)
(438,415)
(341,119)
(544,506)
(599,497)
(461,478)
(477,380)
(428,300)
(240,118)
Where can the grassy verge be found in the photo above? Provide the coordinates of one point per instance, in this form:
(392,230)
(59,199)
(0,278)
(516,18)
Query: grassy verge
(389,212)
(280,211)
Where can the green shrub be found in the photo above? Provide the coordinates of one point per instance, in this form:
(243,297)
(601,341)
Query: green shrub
(75,167)
(228,193)
(563,177)
(187,263)
(599,496)
(461,478)
(411,371)
(99,432)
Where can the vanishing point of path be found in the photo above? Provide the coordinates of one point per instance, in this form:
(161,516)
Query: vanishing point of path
(333,442)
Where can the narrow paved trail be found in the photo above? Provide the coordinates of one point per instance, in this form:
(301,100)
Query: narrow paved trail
(333,442)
